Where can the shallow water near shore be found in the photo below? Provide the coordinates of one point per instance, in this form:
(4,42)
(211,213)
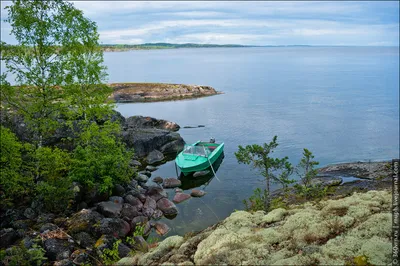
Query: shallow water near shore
(339,102)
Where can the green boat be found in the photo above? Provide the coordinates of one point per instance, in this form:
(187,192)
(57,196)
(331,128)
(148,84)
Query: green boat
(198,156)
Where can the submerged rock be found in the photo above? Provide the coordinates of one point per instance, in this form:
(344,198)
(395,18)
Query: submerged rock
(197,193)
(167,207)
(156,193)
(180,197)
(171,182)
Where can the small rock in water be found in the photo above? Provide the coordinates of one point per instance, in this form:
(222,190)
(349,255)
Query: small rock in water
(201,173)
(161,228)
(145,172)
(142,178)
(180,197)
(201,126)
(135,163)
(157,214)
(158,180)
(177,190)
(151,168)
(167,207)
(171,182)
(197,193)
(154,157)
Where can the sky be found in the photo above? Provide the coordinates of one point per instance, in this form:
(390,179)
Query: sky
(358,23)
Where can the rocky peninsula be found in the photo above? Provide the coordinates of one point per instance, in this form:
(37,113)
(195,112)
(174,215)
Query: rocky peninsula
(154,92)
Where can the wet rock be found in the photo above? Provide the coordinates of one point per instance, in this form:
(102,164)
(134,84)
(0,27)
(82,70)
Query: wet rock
(123,250)
(133,201)
(7,237)
(158,179)
(48,227)
(156,193)
(173,147)
(132,185)
(129,211)
(30,213)
(83,221)
(161,228)
(109,208)
(151,168)
(146,173)
(167,207)
(197,193)
(157,214)
(154,156)
(118,190)
(84,240)
(135,163)
(201,173)
(117,199)
(57,249)
(113,226)
(150,203)
(142,178)
(148,212)
(178,190)
(171,182)
(180,197)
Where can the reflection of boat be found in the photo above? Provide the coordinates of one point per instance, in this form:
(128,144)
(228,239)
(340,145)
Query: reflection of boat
(189,181)
(198,156)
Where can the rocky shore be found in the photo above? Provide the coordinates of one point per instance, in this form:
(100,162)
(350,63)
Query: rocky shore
(153,92)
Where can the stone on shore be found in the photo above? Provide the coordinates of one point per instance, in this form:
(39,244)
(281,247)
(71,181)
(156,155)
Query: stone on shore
(109,208)
(142,178)
(115,227)
(171,182)
(158,179)
(151,168)
(135,202)
(154,156)
(327,181)
(161,228)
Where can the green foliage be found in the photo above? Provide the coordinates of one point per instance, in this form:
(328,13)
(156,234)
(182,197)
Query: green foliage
(277,203)
(272,169)
(256,202)
(51,166)
(111,256)
(312,191)
(20,255)
(139,231)
(101,158)
(14,183)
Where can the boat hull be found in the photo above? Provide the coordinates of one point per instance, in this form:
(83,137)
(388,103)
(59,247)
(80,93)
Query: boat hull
(190,164)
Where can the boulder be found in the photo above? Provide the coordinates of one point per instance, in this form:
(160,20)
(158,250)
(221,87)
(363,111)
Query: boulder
(141,221)
(140,244)
(83,220)
(116,199)
(132,185)
(197,193)
(57,249)
(109,208)
(158,179)
(161,228)
(135,202)
(167,207)
(327,181)
(171,182)
(201,173)
(30,213)
(173,147)
(148,212)
(48,227)
(80,257)
(113,226)
(123,250)
(118,190)
(135,163)
(151,168)
(84,240)
(7,237)
(129,211)
(146,173)
(154,156)
(150,203)
(157,214)
(180,197)
(156,193)
(150,122)
(141,177)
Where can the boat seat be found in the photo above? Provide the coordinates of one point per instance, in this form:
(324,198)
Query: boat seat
(211,148)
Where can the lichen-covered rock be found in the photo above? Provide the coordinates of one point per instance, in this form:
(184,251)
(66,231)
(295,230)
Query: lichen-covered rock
(162,249)
(329,232)
(83,220)
(171,182)
(180,197)
(167,207)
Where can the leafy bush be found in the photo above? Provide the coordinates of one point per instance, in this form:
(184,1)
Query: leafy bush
(20,255)
(51,166)
(14,184)
(311,192)
(101,158)
(277,203)
(111,256)
(256,201)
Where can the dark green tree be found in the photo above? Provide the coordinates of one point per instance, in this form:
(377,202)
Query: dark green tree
(272,169)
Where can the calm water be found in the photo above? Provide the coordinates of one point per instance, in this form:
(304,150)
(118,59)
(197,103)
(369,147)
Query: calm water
(341,103)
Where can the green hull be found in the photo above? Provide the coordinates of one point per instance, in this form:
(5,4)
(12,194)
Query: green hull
(198,156)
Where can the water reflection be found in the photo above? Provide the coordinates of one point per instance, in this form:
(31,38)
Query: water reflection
(190,182)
